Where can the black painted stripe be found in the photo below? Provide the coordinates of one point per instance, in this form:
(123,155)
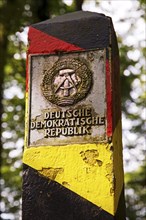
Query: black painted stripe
(87,30)
(45,199)
(121,210)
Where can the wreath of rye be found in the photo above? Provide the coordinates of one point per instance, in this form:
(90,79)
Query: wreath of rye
(83,87)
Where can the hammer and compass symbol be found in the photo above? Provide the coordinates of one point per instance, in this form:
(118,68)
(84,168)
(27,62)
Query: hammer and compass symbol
(67,82)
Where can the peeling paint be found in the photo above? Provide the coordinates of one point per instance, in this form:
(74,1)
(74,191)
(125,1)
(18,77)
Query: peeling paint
(91,157)
(108,176)
(66,184)
(110,147)
(51,172)
(111,157)
(109,170)
(109,167)
(112,191)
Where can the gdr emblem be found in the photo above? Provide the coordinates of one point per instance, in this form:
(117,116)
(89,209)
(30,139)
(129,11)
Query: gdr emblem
(67,82)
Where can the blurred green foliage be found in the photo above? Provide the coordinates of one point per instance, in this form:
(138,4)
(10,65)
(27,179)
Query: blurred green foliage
(136,191)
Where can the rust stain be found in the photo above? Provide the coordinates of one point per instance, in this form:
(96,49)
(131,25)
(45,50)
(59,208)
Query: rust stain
(91,157)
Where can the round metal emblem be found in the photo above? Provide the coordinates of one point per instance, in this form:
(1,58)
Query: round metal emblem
(67,82)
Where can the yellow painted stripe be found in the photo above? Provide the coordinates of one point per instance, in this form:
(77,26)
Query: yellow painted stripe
(85,169)
(26,120)
(118,163)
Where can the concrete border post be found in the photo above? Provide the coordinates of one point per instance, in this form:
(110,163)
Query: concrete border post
(73,167)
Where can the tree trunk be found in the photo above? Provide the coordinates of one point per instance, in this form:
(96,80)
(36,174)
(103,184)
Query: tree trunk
(78,5)
(3,49)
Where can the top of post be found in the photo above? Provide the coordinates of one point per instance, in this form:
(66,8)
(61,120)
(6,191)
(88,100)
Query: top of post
(85,30)
(74,16)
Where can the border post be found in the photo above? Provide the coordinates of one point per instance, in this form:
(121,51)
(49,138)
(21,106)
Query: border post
(73,167)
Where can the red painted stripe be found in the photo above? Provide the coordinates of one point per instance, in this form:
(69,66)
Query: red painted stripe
(109,99)
(40,42)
